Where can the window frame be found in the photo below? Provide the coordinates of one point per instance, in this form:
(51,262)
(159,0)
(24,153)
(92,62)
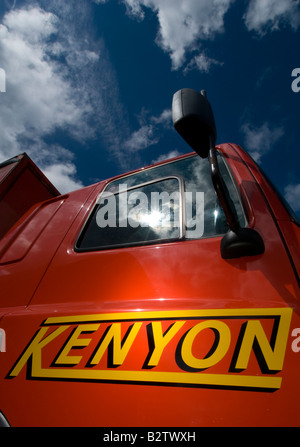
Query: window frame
(137,243)
(182,207)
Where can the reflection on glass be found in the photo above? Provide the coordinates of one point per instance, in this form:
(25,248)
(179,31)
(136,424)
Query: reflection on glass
(144,213)
(172,201)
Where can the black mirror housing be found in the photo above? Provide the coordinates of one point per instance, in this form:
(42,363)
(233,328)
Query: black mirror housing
(194,120)
(244,242)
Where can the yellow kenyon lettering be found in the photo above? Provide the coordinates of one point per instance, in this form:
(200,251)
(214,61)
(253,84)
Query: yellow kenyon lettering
(222,339)
(119,348)
(35,348)
(75,342)
(161,340)
(255,338)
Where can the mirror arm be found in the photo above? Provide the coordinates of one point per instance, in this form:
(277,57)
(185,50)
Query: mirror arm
(238,242)
(221,189)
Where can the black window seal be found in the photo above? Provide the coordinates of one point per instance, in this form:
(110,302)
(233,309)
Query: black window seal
(237,189)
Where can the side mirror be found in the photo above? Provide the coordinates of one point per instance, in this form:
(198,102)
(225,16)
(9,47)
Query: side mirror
(194,121)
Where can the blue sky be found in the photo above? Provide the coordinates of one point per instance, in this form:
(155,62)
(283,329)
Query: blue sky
(89,83)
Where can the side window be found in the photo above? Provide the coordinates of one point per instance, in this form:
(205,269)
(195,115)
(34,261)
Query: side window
(169,202)
(147,213)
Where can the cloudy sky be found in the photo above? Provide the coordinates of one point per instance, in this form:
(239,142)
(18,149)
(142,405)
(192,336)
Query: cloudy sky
(86,86)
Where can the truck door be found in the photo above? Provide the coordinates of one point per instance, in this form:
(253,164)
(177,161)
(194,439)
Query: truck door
(139,321)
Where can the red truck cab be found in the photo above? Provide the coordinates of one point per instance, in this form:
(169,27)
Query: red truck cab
(168,296)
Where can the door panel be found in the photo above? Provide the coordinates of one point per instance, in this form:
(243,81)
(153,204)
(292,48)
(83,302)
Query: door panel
(167,334)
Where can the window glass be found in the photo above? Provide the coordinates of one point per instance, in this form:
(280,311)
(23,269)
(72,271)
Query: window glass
(169,202)
(139,214)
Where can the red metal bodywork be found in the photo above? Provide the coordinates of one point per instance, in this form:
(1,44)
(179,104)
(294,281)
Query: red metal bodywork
(164,304)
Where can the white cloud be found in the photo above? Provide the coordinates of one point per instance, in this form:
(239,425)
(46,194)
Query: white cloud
(167,156)
(140,139)
(62,176)
(38,99)
(165,118)
(183,24)
(269,15)
(32,24)
(150,131)
(292,195)
(202,62)
(134,8)
(57,78)
(259,140)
